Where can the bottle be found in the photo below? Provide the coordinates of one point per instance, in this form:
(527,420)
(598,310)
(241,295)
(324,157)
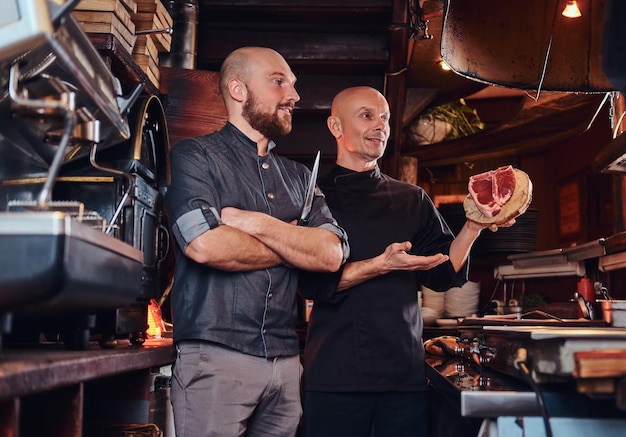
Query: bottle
(587,291)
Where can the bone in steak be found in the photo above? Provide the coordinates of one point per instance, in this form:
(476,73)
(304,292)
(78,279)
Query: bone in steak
(492,189)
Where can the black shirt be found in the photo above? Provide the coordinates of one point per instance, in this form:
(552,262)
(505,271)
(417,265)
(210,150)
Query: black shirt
(369,338)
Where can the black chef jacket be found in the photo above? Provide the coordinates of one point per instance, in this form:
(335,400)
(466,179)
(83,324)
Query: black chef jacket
(369,338)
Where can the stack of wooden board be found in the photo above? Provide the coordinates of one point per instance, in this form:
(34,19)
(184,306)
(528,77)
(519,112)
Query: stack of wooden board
(152,20)
(108,16)
(146,55)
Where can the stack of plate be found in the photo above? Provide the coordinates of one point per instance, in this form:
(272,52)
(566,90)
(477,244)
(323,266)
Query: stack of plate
(521,237)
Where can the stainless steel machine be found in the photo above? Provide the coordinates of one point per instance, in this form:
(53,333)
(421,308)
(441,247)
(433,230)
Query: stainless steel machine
(82,171)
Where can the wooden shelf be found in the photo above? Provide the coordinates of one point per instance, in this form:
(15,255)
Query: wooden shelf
(122,63)
(48,390)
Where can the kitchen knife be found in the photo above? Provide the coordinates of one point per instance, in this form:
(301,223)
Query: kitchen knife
(310,192)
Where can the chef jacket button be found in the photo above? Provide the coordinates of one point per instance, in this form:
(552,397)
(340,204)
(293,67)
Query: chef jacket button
(264,331)
(269,296)
(265,165)
(204,207)
(270,195)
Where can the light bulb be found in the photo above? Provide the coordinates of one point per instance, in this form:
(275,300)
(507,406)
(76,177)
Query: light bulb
(571,10)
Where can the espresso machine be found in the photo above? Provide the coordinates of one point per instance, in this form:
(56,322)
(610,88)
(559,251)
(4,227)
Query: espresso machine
(83,168)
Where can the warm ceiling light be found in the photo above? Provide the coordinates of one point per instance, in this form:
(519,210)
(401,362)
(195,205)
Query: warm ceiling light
(571,10)
(444,66)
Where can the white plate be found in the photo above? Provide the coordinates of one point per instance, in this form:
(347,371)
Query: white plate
(447,322)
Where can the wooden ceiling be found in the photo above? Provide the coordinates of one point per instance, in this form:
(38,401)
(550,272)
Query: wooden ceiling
(396,47)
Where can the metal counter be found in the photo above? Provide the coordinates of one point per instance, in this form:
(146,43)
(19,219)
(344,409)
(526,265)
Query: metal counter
(473,391)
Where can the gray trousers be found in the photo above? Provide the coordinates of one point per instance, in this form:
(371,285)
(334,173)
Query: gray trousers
(220,392)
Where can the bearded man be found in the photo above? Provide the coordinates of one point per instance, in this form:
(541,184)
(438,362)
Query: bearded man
(233,205)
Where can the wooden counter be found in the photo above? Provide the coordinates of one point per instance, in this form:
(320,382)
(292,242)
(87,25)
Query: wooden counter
(48,390)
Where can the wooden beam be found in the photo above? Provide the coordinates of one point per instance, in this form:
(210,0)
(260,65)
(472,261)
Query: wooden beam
(395,84)
(369,51)
(317,91)
(301,12)
(292,4)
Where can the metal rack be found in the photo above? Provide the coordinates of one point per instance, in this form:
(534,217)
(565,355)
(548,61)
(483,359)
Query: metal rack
(551,263)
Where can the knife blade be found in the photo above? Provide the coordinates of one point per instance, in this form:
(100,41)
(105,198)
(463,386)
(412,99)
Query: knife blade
(310,192)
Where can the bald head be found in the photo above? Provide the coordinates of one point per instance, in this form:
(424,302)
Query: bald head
(359,121)
(241,62)
(349,97)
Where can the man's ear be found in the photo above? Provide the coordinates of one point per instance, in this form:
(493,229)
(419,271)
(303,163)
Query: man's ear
(334,126)
(237,90)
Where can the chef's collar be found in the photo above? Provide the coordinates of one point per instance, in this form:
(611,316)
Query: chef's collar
(340,171)
(233,130)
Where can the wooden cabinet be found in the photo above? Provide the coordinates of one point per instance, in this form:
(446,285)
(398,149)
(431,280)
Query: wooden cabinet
(48,390)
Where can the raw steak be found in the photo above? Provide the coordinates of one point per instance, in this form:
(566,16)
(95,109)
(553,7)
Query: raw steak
(492,189)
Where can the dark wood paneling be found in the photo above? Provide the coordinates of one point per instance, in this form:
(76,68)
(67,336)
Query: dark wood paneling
(329,52)
(193,105)
(317,91)
(296,11)
(325,35)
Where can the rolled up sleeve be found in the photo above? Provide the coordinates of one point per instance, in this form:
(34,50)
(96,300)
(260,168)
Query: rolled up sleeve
(191,201)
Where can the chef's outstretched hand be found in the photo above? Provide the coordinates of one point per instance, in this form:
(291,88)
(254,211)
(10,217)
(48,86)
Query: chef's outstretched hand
(396,257)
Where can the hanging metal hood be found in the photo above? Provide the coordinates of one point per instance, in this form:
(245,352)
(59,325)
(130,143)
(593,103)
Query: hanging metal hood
(530,46)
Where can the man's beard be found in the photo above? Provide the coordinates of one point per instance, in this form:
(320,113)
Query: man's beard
(268,124)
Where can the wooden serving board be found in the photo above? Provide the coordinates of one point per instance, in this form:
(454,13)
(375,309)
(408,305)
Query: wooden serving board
(600,363)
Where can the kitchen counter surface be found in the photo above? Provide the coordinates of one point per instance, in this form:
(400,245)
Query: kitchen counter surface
(35,368)
(474,391)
